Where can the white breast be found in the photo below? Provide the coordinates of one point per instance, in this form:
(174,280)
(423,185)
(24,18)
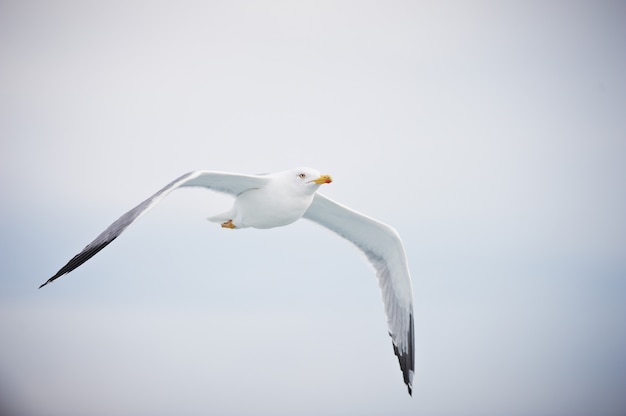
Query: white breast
(267,208)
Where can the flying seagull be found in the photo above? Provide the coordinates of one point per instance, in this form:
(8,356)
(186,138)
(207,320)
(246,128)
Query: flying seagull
(278,199)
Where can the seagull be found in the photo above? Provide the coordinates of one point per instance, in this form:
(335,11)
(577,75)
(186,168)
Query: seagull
(279,199)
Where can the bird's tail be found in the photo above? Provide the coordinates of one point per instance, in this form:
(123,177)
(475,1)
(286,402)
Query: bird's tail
(221,218)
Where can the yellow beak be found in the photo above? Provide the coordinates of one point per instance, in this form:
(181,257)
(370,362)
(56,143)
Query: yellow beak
(323,179)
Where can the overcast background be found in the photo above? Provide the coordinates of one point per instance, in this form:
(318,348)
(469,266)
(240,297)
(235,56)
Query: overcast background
(492,135)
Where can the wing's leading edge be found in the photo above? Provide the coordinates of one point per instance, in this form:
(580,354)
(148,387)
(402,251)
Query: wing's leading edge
(230,183)
(383,248)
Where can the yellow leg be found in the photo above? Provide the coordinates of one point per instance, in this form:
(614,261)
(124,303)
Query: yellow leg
(228,224)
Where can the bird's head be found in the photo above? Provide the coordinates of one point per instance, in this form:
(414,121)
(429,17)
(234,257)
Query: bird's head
(306,180)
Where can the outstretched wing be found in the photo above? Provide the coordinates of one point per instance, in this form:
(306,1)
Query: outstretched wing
(383,247)
(231,183)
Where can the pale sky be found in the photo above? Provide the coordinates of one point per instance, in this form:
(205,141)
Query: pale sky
(491,135)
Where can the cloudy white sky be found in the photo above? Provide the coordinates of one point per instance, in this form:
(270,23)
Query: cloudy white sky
(490,134)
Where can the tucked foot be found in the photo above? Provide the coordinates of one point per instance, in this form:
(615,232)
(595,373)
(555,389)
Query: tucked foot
(228,224)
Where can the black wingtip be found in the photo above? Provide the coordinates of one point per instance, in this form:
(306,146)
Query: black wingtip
(49,281)
(87,253)
(406,359)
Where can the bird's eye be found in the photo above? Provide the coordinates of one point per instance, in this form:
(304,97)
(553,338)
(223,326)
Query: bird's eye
(302,175)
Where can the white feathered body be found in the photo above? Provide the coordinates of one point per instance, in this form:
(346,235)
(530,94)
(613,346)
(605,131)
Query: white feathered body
(275,205)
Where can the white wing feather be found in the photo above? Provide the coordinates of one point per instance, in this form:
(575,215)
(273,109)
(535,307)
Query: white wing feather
(383,247)
(231,183)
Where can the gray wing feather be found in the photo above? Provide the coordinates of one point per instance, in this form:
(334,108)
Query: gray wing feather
(383,248)
(230,183)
